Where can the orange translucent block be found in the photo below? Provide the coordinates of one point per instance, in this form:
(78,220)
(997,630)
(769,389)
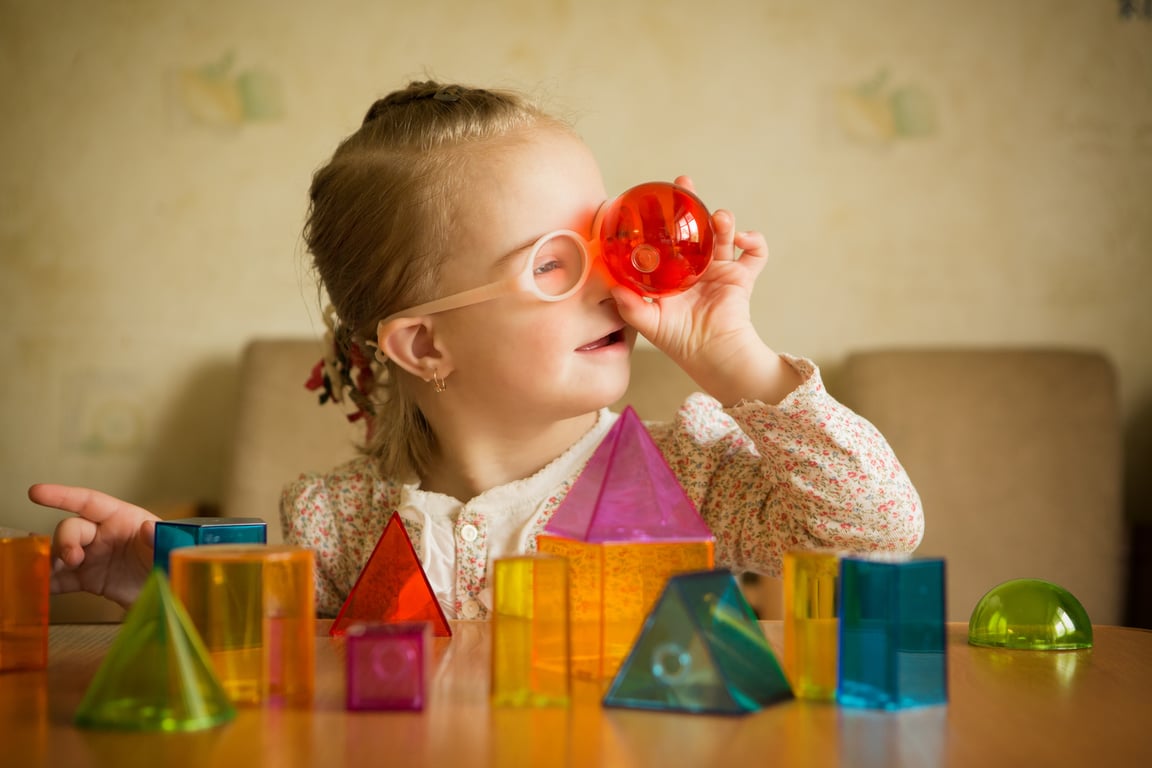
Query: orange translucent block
(811,626)
(531,651)
(392,587)
(614,586)
(656,238)
(24,575)
(253,606)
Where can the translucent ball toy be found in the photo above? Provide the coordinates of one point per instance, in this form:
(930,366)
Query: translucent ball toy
(1030,615)
(656,238)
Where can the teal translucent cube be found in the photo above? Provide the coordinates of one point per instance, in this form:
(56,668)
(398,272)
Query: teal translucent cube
(893,640)
(701,650)
(194,531)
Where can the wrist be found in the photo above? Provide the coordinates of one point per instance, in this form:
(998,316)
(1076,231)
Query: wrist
(747,370)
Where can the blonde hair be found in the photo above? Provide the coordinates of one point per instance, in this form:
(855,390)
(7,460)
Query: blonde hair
(378,224)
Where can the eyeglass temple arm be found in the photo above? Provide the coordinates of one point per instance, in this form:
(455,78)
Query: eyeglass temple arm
(462,299)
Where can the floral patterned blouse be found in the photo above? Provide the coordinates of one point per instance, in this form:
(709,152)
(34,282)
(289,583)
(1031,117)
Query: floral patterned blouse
(766,479)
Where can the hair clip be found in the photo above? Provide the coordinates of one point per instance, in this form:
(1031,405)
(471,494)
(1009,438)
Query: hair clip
(447,93)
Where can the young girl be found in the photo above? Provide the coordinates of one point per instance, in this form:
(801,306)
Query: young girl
(484,406)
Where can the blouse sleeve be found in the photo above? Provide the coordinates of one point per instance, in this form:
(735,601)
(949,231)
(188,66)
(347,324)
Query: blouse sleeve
(804,474)
(334,514)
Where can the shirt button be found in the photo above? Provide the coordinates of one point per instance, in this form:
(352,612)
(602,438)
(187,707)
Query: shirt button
(469,609)
(468,532)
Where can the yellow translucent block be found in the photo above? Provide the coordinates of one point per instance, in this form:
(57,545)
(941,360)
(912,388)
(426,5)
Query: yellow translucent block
(253,606)
(614,586)
(24,577)
(811,624)
(530,632)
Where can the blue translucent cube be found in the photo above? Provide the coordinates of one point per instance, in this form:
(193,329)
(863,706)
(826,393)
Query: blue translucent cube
(193,531)
(893,642)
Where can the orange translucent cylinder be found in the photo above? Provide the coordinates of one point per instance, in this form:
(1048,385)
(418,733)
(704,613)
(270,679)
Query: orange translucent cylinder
(811,623)
(253,606)
(24,577)
(531,652)
(614,586)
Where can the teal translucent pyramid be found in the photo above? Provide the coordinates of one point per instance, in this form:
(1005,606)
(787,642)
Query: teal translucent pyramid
(627,492)
(157,675)
(701,651)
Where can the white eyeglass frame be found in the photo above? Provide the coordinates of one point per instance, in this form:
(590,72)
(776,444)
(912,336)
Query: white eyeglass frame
(521,282)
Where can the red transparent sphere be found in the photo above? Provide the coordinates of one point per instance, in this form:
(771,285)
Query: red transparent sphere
(656,238)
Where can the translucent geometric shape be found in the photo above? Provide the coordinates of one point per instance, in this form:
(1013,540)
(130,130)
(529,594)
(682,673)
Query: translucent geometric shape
(810,622)
(194,531)
(387,665)
(700,651)
(1031,615)
(253,606)
(157,675)
(613,587)
(25,573)
(531,653)
(655,238)
(627,492)
(392,587)
(893,642)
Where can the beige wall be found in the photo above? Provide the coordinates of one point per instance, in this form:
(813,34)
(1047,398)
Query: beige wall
(926,172)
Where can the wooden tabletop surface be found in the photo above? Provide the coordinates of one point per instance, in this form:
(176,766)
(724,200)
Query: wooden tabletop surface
(1010,708)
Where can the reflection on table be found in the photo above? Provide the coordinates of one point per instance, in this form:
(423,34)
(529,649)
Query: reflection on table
(1005,708)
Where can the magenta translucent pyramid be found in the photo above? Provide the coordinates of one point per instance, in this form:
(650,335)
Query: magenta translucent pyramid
(627,492)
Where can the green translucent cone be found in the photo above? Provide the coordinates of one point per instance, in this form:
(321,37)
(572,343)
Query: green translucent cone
(702,651)
(157,675)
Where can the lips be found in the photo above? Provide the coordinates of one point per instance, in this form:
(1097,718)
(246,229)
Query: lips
(615,337)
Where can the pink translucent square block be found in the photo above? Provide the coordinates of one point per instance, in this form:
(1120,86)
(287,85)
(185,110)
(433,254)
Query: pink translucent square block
(387,665)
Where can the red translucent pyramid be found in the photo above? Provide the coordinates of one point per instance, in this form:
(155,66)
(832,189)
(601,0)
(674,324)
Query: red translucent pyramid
(392,587)
(627,492)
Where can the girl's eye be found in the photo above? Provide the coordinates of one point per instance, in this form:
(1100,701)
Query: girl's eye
(558,265)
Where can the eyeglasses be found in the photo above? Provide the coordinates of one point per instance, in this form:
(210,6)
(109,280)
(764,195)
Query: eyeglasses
(656,238)
(555,267)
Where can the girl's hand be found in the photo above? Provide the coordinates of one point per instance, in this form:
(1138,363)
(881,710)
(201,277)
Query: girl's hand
(708,329)
(106,549)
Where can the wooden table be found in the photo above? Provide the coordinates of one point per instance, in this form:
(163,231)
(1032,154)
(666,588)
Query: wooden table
(1010,708)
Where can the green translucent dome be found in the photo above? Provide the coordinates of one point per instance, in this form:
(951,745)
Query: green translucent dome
(1030,615)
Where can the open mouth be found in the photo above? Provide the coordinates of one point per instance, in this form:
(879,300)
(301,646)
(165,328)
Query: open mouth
(616,337)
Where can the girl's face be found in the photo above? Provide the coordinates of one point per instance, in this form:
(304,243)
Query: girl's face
(518,357)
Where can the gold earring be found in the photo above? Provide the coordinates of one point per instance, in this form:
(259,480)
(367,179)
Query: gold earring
(438,384)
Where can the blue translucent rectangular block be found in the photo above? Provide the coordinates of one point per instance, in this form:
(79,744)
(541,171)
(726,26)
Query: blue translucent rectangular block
(893,641)
(194,531)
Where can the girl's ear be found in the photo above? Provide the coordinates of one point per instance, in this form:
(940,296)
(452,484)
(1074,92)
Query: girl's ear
(411,343)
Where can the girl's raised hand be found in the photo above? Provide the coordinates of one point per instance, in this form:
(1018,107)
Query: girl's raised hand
(106,549)
(708,329)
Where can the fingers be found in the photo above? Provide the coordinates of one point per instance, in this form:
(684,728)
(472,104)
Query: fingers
(633,309)
(751,244)
(724,228)
(70,538)
(89,504)
(686,182)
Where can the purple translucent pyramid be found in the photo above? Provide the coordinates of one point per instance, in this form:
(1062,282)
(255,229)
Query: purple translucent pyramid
(627,492)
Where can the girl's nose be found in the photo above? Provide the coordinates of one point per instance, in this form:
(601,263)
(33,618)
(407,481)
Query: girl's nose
(600,280)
